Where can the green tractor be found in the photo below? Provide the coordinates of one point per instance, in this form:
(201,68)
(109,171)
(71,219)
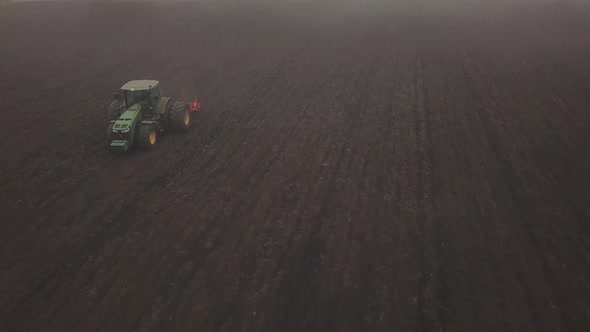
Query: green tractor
(139,113)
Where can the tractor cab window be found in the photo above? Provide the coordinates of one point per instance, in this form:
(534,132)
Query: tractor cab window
(131,98)
(155,95)
(156,91)
(144,97)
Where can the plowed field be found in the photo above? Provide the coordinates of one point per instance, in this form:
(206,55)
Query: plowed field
(357,166)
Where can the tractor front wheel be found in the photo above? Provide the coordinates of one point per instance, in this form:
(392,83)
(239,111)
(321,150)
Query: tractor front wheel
(109,134)
(114,111)
(147,137)
(180,116)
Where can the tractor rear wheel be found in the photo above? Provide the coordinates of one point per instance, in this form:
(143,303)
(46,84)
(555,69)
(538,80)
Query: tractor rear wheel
(147,137)
(180,116)
(114,111)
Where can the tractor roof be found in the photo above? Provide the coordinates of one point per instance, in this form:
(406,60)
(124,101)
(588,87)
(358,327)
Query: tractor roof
(139,85)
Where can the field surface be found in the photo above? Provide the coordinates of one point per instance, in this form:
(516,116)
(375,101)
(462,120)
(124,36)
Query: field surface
(358,166)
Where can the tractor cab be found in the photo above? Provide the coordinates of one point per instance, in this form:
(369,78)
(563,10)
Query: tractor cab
(144,92)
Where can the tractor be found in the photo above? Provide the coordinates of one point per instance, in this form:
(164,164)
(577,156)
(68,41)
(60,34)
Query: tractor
(139,113)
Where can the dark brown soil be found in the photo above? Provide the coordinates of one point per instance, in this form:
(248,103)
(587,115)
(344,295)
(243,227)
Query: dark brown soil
(418,165)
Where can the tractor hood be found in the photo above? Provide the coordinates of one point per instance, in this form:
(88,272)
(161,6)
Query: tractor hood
(128,118)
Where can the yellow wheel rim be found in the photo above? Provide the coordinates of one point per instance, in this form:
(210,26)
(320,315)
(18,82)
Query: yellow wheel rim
(187,117)
(153,137)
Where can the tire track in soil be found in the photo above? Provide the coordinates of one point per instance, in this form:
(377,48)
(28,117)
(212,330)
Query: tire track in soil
(254,178)
(299,119)
(311,265)
(410,261)
(361,193)
(390,173)
(433,80)
(474,85)
(332,185)
(481,219)
(487,225)
(493,128)
(521,176)
(292,237)
(293,181)
(518,184)
(426,307)
(448,137)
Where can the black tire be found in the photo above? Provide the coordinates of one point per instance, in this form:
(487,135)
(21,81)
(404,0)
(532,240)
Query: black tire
(180,116)
(147,137)
(114,111)
(109,134)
